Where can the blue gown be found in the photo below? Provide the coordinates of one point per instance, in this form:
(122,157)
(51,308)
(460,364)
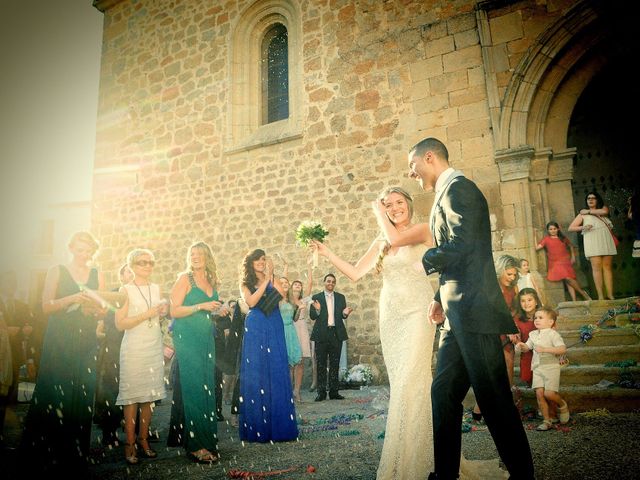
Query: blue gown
(267,411)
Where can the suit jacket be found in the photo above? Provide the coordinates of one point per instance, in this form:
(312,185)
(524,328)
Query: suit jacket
(469,290)
(320,331)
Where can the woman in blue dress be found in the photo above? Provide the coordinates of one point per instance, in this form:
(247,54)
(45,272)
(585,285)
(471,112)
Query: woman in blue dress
(267,411)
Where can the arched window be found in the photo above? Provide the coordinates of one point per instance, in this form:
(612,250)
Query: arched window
(275,74)
(265,76)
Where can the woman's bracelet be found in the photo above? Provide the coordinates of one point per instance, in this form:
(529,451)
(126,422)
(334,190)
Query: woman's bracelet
(195,308)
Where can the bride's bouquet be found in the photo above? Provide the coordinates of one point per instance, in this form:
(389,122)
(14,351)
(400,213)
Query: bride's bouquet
(310,230)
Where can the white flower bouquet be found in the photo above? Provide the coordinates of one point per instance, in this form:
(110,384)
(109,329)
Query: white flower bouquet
(311,230)
(360,373)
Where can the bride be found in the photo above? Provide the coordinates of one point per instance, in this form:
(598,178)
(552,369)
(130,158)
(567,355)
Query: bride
(406,335)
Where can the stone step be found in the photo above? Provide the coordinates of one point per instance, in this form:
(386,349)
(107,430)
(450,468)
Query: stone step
(590,375)
(593,307)
(603,337)
(585,398)
(567,323)
(585,354)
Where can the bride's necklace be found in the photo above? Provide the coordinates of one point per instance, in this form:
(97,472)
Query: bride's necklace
(148,302)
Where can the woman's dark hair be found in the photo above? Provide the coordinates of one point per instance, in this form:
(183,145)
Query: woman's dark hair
(526,291)
(599,201)
(555,224)
(248,276)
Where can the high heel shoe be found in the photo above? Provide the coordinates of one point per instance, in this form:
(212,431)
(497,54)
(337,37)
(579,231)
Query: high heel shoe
(312,388)
(131,458)
(147,452)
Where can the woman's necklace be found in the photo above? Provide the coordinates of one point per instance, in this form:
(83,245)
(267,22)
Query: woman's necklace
(148,302)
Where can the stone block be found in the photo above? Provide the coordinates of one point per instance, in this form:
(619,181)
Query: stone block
(425,69)
(448,82)
(505,28)
(431,104)
(439,47)
(466,39)
(367,100)
(469,57)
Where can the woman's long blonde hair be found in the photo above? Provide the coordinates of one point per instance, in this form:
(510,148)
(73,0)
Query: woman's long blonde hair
(384,194)
(210,269)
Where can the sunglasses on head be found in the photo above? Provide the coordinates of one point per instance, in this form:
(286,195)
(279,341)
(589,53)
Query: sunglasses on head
(144,263)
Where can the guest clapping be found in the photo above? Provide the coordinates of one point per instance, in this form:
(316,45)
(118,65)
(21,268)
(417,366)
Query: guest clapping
(194,297)
(141,358)
(267,411)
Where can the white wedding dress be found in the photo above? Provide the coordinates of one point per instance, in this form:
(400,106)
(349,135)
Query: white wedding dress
(407,342)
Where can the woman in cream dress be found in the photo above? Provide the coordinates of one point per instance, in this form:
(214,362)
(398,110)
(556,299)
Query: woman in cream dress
(406,336)
(141,358)
(593,223)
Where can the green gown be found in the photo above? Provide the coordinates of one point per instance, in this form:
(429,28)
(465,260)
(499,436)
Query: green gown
(194,342)
(57,430)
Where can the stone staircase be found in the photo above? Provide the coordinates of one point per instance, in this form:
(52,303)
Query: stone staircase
(579,379)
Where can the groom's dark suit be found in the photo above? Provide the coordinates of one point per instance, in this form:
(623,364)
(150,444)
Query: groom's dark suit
(470,352)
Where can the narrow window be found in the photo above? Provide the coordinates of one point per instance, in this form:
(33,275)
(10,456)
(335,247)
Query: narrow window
(275,74)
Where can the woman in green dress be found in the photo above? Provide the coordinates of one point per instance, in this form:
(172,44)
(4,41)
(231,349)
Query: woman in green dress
(194,298)
(57,430)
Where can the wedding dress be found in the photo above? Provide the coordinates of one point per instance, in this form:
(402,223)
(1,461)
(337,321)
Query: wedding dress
(407,342)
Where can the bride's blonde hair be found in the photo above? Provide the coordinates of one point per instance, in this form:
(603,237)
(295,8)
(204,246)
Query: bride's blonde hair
(384,194)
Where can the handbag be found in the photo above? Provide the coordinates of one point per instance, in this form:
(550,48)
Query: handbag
(269,301)
(607,222)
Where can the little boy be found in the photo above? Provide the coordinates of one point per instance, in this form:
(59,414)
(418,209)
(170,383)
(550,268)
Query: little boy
(546,344)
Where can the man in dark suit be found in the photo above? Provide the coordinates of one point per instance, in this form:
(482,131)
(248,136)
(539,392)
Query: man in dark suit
(329,310)
(470,305)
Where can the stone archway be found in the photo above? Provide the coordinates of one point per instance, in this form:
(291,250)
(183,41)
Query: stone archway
(531,118)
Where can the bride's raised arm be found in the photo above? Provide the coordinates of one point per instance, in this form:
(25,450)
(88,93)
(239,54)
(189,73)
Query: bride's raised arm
(353,272)
(416,234)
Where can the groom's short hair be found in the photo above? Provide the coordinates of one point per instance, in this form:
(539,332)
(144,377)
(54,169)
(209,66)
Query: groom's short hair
(430,145)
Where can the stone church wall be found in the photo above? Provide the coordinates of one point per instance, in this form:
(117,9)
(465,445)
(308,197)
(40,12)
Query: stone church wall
(376,76)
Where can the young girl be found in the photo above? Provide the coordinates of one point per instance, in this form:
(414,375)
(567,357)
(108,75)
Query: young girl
(546,344)
(560,260)
(529,279)
(527,304)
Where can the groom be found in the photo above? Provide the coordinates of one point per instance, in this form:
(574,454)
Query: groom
(474,314)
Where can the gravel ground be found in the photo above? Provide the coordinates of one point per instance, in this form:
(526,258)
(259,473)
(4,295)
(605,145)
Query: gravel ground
(342,439)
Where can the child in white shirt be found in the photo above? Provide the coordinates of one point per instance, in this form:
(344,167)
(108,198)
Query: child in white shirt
(546,344)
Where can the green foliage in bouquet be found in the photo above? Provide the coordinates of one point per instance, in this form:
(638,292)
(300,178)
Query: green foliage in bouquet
(310,230)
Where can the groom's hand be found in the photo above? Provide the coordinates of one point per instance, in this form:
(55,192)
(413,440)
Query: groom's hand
(435,313)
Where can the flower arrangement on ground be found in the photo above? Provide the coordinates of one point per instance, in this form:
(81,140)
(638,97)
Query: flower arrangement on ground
(360,374)
(311,230)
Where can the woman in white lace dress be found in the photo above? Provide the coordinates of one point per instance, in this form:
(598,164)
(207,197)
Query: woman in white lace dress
(405,333)
(141,359)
